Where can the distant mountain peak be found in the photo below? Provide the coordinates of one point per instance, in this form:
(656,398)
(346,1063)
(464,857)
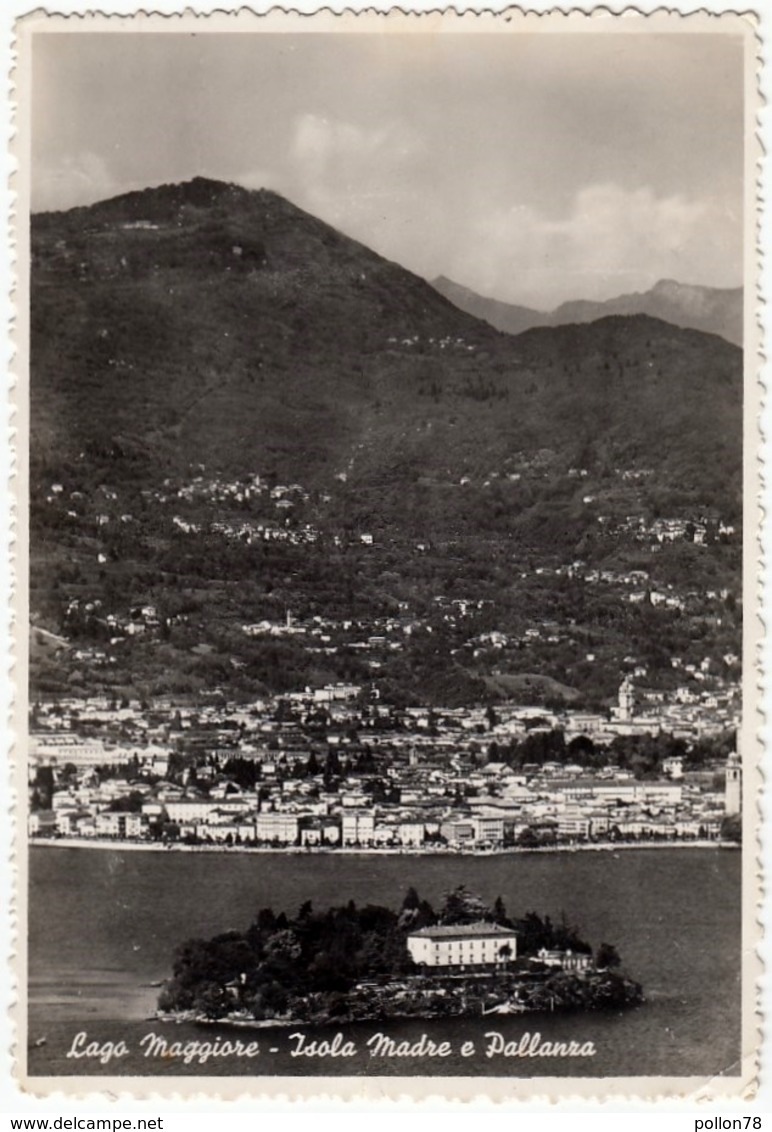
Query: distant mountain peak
(666,285)
(710,309)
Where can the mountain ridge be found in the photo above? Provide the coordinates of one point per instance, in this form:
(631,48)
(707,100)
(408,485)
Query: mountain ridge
(236,410)
(714,310)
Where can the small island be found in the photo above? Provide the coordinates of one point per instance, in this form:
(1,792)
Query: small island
(372,963)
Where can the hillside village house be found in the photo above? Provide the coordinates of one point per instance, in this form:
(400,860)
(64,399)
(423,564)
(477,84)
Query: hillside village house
(462,945)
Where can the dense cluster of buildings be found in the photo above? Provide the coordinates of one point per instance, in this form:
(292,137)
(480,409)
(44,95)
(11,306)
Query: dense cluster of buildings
(325,770)
(252,510)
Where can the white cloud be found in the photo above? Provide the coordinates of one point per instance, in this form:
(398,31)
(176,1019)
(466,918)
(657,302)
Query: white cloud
(379,184)
(349,173)
(613,240)
(329,148)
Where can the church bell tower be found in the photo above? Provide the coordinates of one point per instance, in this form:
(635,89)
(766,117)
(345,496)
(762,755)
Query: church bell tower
(733,788)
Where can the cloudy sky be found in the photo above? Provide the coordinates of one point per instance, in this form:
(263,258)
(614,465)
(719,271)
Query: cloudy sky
(533,168)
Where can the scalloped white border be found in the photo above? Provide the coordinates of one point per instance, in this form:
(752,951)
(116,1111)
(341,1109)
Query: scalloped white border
(529,1095)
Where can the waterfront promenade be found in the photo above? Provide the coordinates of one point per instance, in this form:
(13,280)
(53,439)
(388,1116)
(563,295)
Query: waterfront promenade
(349,851)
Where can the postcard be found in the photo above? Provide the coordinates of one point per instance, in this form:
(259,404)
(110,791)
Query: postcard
(387,507)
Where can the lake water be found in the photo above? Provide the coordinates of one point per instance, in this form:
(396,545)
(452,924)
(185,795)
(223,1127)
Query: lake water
(103,925)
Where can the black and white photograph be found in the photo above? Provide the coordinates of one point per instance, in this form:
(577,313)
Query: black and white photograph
(386,384)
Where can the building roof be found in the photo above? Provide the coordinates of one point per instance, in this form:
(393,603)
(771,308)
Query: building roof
(463,931)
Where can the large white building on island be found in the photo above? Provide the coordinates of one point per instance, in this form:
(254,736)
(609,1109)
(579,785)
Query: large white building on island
(463,945)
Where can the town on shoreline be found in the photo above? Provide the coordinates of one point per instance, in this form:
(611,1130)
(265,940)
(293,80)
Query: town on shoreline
(335,770)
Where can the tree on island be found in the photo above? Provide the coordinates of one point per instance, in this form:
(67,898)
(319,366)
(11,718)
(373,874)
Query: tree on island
(500,912)
(607,958)
(463,907)
(416,913)
(412,899)
(212,1000)
(505,953)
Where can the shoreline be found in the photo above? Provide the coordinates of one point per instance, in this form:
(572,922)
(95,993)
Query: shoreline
(297,851)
